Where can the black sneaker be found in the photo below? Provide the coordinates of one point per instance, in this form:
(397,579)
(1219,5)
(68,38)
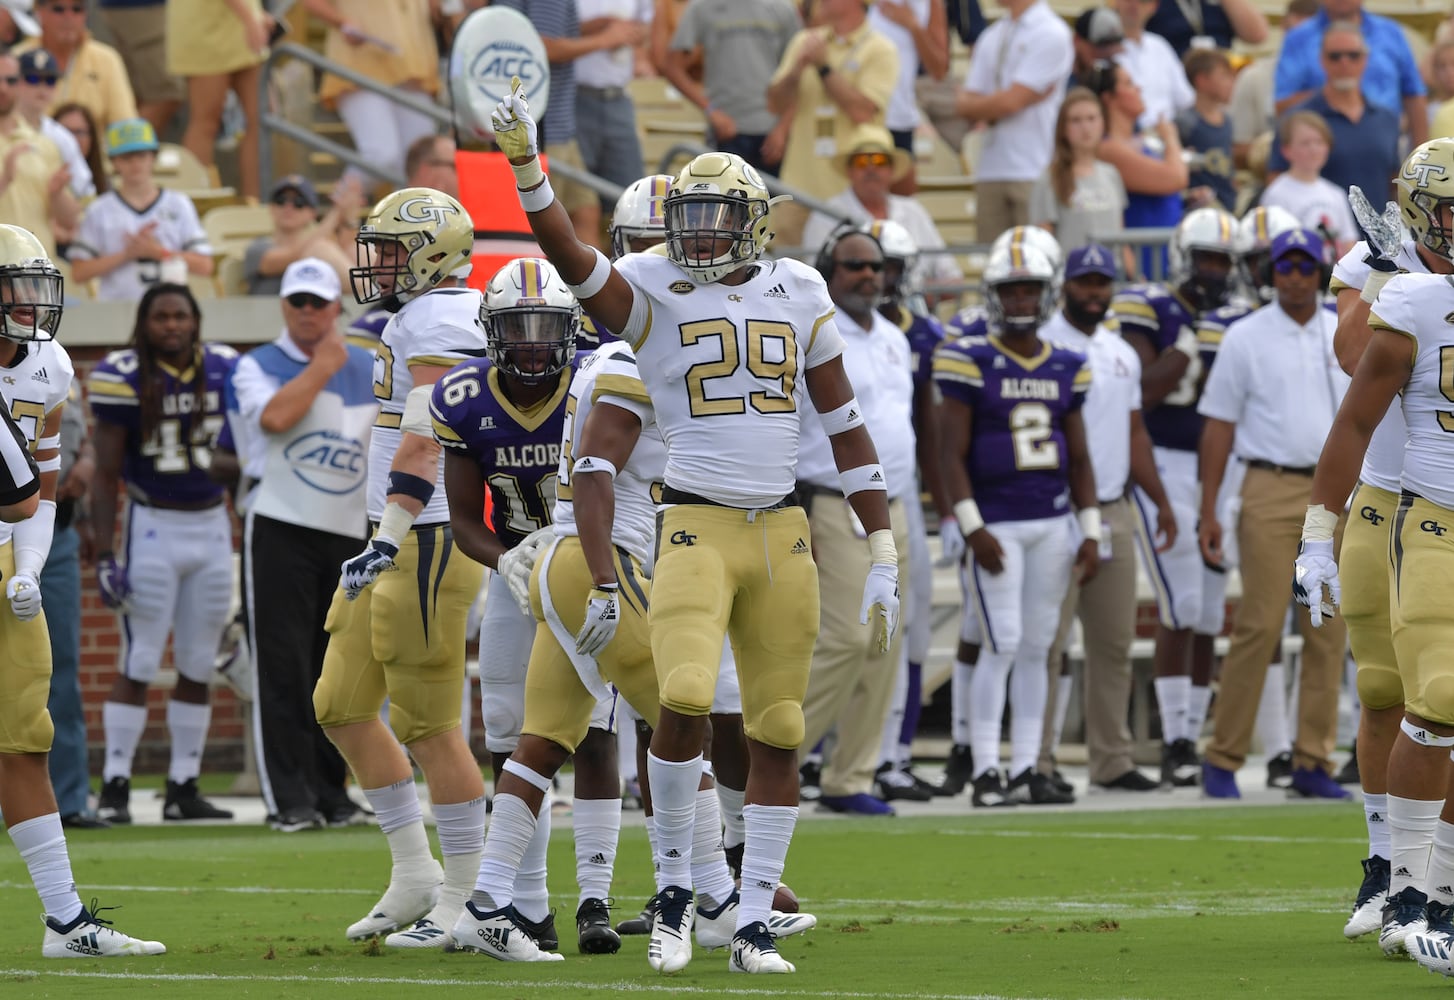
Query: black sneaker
(594,935)
(294,820)
(115,804)
(734,865)
(1279,771)
(84,821)
(810,781)
(1132,781)
(989,791)
(639,924)
(1058,780)
(347,814)
(895,785)
(1348,773)
(958,771)
(543,933)
(1180,766)
(185,802)
(1036,789)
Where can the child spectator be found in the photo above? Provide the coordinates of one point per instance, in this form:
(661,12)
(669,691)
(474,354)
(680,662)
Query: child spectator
(130,236)
(1316,202)
(1080,197)
(1206,129)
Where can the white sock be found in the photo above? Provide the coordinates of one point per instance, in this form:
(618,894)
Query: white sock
(710,875)
(402,822)
(1375,815)
(1271,725)
(650,823)
(1029,687)
(769,832)
(1440,880)
(42,845)
(1199,700)
(532,898)
(1063,688)
(989,688)
(959,699)
(888,744)
(187,724)
(597,825)
(123,725)
(1172,695)
(626,750)
(734,828)
(512,826)
(674,803)
(1411,824)
(460,827)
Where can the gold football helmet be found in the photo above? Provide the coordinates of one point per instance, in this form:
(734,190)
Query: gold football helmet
(1426,195)
(717,199)
(31,288)
(412,241)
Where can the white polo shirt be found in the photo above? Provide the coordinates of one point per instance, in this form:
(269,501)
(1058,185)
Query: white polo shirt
(1035,50)
(1115,393)
(1279,383)
(932,269)
(878,364)
(1153,64)
(607,68)
(903,110)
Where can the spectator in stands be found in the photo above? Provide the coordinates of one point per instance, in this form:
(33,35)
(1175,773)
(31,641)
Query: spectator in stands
(217,46)
(139,29)
(605,116)
(17,22)
(92,73)
(1316,203)
(299,233)
(872,162)
(832,78)
(1098,38)
(77,120)
(734,45)
(34,182)
(1365,134)
(1080,197)
(1153,64)
(138,234)
(38,76)
(1253,112)
(1207,23)
(668,15)
(390,43)
(1275,388)
(1389,71)
(430,163)
(1154,173)
(1206,130)
(60,587)
(919,30)
(1441,118)
(1013,90)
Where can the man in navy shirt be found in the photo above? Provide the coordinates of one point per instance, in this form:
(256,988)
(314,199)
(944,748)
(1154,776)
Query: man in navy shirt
(1183,22)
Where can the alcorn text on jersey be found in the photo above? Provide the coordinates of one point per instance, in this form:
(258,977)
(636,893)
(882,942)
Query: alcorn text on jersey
(725,367)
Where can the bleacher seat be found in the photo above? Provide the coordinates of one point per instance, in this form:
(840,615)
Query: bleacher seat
(230,228)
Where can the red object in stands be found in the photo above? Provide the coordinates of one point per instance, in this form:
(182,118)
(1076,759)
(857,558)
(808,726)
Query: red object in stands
(487,192)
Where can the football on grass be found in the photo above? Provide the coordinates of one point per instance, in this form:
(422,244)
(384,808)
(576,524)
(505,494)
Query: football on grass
(786,901)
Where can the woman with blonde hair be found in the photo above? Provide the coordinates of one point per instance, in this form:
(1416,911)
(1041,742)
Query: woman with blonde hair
(1080,198)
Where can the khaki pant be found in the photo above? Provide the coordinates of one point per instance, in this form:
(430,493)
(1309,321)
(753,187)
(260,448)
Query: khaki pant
(1000,205)
(851,685)
(1107,610)
(1267,537)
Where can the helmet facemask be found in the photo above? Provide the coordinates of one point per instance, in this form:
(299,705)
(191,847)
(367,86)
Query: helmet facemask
(1436,231)
(399,281)
(32,293)
(1209,277)
(699,225)
(532,343)
(1020,323)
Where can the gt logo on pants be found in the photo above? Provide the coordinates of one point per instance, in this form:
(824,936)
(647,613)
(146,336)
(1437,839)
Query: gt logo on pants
(1431,526)
(1371,515)
(683,538)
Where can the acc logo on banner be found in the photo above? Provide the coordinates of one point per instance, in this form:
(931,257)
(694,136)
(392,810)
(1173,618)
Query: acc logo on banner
(494,45)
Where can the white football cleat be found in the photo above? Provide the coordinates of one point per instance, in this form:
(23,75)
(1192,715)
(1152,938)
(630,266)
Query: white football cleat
(424,933)
(1367,915)
(753,951)
(89,936)
(496,933)
(715,927)
(670,948)
(781,925)
(1402,915)
(399,906)
(1433,948)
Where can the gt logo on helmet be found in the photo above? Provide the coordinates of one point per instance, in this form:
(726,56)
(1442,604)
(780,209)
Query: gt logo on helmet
(422,210)
(1419,172)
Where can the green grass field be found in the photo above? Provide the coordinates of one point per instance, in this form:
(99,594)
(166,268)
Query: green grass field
(1193,902)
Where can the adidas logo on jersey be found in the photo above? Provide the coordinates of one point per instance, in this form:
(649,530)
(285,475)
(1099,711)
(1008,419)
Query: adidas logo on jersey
(40,376)
(799,548)
(776,292)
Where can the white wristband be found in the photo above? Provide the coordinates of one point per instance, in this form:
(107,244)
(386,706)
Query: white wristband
(537,199)
(394,525)
(1186,343)
(590,463)
(1319,524)
(845,418)
(527,174)
(881,548)
(596,280)
(966,512)
(1374,285)
(865,477)
(1090,522)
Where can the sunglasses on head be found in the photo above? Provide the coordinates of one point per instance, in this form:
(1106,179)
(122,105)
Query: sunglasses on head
(856,264)
(870,160)
(1302,266)
(295,200)
(307,300)
(37,79)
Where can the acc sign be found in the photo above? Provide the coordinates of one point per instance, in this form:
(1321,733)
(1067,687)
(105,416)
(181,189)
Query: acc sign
(327,461)
(492,46)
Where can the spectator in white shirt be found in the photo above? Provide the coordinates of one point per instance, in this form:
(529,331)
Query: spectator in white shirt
(1153,64)
(605,116)
(1315,201)
(919,29)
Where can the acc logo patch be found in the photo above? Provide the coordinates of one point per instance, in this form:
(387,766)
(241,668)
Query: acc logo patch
(681,287)
(327,461)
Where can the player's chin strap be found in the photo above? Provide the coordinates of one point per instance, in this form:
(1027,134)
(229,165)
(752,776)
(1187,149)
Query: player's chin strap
(32,540)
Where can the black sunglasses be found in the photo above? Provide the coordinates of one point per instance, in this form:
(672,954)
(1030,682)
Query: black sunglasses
(1304,266)
(36,79)
(307,300)
(1345,55)
(297,201)
(855,264)
(60,8)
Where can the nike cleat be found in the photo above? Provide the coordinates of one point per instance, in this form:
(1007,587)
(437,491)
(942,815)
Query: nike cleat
(499,934)
(90,936)
(753,951)
(399,907)
(1368,904)
(670,948)
(1403,915)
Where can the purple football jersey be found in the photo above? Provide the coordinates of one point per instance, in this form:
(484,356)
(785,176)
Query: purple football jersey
(593,334)
(924,335)
(1018,465)
(971,321)
(1159,314)
(170,466)
(518,452)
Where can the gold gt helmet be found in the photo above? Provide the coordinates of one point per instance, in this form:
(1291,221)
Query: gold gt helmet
(1425,190)
(412,241)
(718,198)
(31,288)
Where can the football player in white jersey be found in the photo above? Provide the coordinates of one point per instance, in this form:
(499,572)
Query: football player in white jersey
(31,293)
(1397,803)
(401,634)
(740,346)
(1409,354)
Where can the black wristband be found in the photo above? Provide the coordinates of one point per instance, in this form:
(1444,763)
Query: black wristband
(823,71)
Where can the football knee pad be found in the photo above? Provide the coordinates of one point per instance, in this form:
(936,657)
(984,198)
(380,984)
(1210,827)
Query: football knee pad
(1379,686)
(687,689)
(780,725)
(1438,700)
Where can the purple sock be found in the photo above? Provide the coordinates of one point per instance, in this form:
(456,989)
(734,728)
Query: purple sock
(913,704)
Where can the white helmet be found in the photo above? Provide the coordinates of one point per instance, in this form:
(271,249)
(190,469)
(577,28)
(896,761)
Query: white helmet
(1032,236)
(1211,230)
(1254,246)
(531,320)
(717,197)
(640,213)
(1016,263)
(898,247)
(31,288)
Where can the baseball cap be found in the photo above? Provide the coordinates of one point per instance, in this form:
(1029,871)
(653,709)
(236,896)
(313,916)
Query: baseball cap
(130,135)
(298,183)
(1301,241)
(20,13)
(1090,259)
(38,62)
(1099,26)
(313,276)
